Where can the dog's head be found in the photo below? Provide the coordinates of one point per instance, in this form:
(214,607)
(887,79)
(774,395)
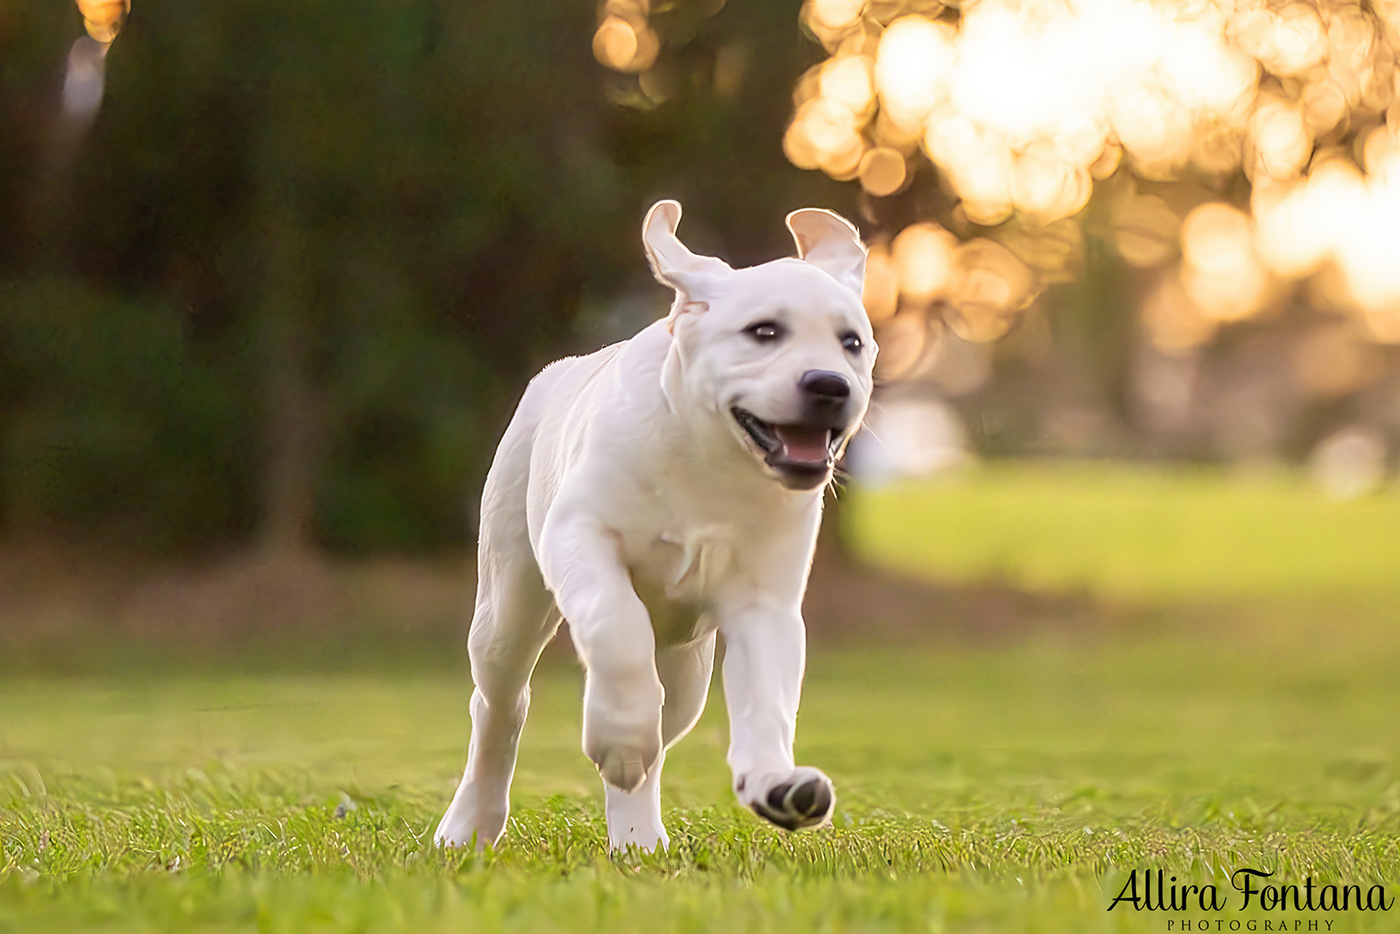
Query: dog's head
(779,354)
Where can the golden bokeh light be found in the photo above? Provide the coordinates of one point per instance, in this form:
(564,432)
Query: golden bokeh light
(1054,251)
(1154,129)
(1281,141)
(627,41)
(825,135)
(1340,216)
(923,260)
(1380,151)
(832,17)
(882,171)
(1324,106)
(623,46)
(848,81)
(1107,163)
(1290,41)
(988,287)
(1070,86)
(1383,325)
(1220,269)
(1217,149)
(1023,107)
(85,77)
(1143,228)
(1287,235)
(1048,188)
(615,43)
(904,339)
(881,292)
(1172,320)
(915,58)
(103,19)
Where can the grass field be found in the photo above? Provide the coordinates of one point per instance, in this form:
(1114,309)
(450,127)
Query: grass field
(1152,533)
(1006,787)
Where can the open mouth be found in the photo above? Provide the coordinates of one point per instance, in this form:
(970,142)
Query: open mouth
(804,449)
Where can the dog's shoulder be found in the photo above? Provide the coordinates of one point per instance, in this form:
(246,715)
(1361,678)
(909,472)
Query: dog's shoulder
(569,378)
(566,377)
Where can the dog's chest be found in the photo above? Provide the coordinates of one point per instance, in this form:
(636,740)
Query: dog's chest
(683,563)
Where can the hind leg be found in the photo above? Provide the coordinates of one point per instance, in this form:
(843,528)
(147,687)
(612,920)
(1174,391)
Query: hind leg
(634,818)
(512,623)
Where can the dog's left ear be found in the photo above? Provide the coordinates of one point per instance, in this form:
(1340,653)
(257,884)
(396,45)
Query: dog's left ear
(831,243)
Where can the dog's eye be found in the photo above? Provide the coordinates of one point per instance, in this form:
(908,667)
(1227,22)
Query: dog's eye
(765,332)
(852,342)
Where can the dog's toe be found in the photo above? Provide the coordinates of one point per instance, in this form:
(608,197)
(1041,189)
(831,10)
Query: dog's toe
(812,798)
(802,801)
(777,796)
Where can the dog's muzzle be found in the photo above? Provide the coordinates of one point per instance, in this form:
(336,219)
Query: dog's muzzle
(802,455)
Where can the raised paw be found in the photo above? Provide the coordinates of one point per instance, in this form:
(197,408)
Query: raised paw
(794,801)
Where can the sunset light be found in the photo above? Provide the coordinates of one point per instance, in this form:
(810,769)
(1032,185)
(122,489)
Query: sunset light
(1023,106)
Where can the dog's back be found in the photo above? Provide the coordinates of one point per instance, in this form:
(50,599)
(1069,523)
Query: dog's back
(549,430)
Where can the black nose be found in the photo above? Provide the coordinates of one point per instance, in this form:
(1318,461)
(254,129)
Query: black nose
(825,385)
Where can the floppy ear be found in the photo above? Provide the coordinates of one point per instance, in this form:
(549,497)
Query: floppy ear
(831,243)
(695,278)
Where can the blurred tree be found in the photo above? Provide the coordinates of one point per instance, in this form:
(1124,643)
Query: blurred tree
(358,231)
(1187,176)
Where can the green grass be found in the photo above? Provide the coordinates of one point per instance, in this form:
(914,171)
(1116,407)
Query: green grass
(1138,532)
(1003,790)
(982,788)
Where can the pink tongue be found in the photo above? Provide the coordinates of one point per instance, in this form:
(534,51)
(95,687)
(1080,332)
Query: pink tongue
(804,444)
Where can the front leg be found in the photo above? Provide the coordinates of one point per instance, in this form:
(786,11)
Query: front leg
(764,657)
(585,568)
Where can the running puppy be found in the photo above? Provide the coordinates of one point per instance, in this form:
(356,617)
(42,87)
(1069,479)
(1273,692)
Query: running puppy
(657,492)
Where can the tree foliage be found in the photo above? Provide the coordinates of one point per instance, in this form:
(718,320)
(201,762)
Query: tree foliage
(289,282)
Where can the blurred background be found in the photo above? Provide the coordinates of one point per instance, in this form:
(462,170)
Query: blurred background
(273,275)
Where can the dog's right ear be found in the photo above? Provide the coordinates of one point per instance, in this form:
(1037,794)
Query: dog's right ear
(695,278)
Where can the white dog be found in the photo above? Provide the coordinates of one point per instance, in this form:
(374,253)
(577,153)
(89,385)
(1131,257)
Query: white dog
(659,491)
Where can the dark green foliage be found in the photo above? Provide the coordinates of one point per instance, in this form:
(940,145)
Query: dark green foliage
(118,419)
(340,238)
